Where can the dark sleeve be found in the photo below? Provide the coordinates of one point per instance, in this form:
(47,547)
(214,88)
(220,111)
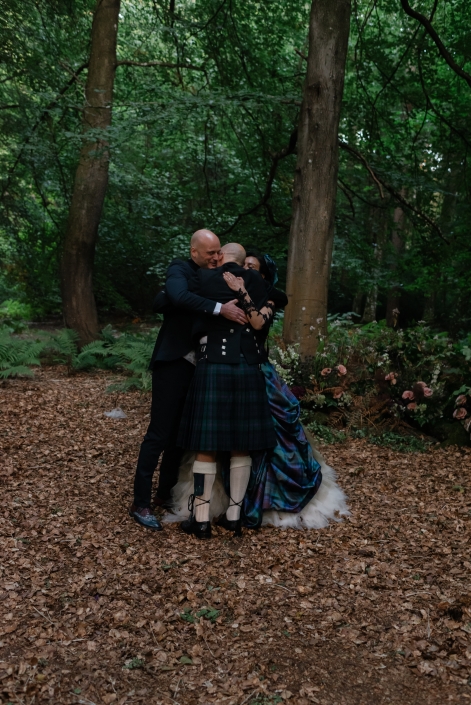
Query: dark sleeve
(255,286)
(278,297)
(161,302)
(177,288)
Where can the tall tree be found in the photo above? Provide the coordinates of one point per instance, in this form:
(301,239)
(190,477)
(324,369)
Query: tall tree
(312,225)
(91,177)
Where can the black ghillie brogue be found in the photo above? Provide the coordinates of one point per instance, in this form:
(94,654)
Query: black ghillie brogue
(200,529)
(234,525)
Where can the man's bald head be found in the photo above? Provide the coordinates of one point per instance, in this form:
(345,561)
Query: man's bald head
(233,252)
(204,249)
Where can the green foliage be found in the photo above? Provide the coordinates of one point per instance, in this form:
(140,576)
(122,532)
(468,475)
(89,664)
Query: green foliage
(208,613)
(134,663)
(365,375)
(193,147)
(398,442)
(18,355)
(263,699)
(324,433)
(129,353)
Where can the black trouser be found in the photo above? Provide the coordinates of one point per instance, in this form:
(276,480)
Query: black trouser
(170,383)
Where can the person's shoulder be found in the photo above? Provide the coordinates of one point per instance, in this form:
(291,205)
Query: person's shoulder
(180,265)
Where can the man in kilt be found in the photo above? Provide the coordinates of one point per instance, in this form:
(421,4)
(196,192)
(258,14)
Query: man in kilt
(226,409)
(173,365)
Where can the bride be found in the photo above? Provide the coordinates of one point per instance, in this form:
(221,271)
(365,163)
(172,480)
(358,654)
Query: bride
(290,485)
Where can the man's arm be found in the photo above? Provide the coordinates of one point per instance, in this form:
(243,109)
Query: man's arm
(177,288)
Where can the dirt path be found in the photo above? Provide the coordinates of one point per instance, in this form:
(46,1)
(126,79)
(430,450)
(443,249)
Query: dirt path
(373,610)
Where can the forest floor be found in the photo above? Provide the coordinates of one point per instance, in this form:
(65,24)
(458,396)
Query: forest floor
(95,609)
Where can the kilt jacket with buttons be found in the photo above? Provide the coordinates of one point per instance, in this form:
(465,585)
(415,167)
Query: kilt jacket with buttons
(227,340)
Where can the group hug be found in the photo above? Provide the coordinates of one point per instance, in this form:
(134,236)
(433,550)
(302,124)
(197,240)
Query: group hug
(223,423)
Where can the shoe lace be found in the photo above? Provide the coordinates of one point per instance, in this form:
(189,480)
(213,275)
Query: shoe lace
(191,503)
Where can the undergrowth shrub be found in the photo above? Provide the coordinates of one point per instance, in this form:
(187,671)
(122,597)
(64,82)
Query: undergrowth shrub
(371,376)
(129,353)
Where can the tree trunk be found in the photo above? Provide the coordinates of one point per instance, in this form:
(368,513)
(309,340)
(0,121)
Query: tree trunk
(91,177)
(357,302)
(371,304)
(315,185)
(394,293)
(379,225)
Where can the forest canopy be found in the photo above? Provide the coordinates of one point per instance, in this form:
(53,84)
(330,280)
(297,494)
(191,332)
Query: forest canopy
(205,110)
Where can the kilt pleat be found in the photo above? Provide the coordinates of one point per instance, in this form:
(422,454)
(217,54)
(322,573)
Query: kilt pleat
(227,409)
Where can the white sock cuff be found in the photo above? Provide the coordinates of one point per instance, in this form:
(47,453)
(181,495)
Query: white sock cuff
(241,461)
(204,468)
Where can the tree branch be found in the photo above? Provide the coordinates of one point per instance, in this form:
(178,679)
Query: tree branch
(164,64)
(425,22)
(362,159)
(380,181)
(275,157)
(42,117)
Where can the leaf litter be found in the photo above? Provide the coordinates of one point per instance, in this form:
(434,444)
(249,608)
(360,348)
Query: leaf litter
(95,609)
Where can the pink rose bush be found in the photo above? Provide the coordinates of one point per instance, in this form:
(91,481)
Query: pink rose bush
(412,406)
(408,394)
(460,413)
(461,400)
(326,371)
(341,369)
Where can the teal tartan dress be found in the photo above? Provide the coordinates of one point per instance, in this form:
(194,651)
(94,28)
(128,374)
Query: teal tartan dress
(288,476)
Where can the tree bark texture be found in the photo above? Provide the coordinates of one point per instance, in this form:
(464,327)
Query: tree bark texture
(91,177)
(315,183)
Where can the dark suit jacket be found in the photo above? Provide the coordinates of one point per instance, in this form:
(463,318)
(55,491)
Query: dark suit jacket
(228,340)
(178,306)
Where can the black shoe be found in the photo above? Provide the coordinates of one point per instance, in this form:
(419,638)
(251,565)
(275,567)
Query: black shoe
(200,529)
(234,525)
(144,517)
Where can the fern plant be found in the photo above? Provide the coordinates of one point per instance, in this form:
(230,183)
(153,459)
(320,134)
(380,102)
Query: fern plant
(18,355)
(129,353)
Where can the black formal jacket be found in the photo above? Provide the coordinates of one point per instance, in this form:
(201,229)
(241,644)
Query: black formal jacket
(228,340)
(178,306)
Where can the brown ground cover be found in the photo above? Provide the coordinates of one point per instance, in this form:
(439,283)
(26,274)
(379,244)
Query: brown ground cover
(95,609)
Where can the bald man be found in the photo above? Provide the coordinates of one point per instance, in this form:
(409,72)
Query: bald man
(173,367)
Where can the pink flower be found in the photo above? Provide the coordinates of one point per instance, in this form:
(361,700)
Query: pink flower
(421,384)
(341,369)
(428,392)
(408,394)
(460,413)
(460,400)
(390,376)
(394,381)
(412,406)
(326,371)
(338,393)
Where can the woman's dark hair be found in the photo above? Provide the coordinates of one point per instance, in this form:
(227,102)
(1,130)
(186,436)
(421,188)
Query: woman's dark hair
(264,271)
(267,266)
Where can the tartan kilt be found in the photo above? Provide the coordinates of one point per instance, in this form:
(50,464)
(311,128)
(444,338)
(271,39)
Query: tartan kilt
(227,409)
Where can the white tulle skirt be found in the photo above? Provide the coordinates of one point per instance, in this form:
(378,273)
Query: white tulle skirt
(328,504)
